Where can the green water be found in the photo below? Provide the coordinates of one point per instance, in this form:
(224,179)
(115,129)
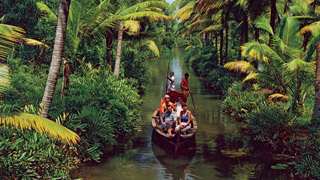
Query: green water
(146,161)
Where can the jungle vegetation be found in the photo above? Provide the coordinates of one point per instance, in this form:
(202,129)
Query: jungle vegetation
(270,50)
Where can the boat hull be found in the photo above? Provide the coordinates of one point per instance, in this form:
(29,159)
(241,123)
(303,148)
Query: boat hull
(176,144)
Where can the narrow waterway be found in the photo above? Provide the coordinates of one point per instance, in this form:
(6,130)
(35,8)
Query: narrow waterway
(146,161)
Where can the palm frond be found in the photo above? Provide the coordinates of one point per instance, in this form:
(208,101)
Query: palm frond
(47,11)
(41,125)
(259,51)
(264,24)
(153,16)
(240,66)
(33,42)
(313,28)
(9,37)
(153,47)
(216,27)
(311,48)
(289,31)
(205,5)
(277,96)
(260,77)
(296,64)
(185,12)
(4,78)
(132,26)
(143,6)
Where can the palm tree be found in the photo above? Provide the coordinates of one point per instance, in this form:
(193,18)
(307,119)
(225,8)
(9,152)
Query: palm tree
(316,108)
(56,56)
(128,20)
(9,37)
(283,63)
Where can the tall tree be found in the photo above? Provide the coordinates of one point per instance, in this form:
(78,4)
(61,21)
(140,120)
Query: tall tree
(316,108)
(56,56)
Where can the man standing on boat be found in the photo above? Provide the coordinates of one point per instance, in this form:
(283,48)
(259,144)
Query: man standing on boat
(171,86)
(184,86)
(168,120)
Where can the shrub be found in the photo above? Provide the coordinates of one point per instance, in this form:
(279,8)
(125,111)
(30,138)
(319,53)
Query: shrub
(29,155)
(238,102)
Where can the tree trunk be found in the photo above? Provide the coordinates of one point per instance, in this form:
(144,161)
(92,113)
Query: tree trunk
(108,48)
(316,108)
(272,18)
(56,56)
(67,70)
(240,44)
(117,64)
(203,39)
(216,39)
(227,36)
(273,14)
(245,29)
(221,47)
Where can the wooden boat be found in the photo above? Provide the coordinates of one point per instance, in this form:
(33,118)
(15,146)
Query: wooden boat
(177,143)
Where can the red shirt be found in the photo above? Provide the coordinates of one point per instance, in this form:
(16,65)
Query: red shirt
(184,85)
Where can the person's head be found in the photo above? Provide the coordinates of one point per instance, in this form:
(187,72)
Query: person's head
(169,107)
(171,73)
(179,99)
(184,106)
(167,98)
(186,75)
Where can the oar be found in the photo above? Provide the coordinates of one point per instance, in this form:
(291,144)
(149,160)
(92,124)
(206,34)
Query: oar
(194,107)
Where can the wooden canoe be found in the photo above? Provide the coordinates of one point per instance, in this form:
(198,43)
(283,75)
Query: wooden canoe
(177,143)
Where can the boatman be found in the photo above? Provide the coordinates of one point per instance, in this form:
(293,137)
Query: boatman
(184,86)
(168,120)
(171,85)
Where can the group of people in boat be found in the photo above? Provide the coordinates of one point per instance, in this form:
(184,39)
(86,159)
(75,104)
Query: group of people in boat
(175,116)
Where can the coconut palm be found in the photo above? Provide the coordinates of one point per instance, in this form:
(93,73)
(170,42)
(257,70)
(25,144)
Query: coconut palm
(129,21)
(56,56)
(283,65)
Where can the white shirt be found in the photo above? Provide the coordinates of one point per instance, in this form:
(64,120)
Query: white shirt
(179,108)
(171,85)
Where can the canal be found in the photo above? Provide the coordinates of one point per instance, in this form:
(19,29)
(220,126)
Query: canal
(147,161)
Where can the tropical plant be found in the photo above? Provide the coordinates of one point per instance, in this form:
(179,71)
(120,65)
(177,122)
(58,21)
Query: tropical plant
(129,17)
(283,65)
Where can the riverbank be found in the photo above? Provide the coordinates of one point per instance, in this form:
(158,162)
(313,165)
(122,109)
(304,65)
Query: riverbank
(270,120)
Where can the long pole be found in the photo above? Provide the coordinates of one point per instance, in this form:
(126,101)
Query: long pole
(167,75)
(194,107)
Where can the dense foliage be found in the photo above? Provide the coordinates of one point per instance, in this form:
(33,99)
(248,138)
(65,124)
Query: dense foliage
(271,45)
(101,108)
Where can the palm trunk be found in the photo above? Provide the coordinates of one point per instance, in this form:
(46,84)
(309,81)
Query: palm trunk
(203,39)
(108,48)
(272,18)
(227,36)
(117,64)
(56,56)
(221,47)
(316,108)
(240,44)
(245,29)
(216,40)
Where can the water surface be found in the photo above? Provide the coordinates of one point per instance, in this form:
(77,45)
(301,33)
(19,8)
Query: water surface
(146,161)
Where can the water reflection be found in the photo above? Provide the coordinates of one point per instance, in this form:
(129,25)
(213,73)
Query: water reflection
(216,134)
(177,167)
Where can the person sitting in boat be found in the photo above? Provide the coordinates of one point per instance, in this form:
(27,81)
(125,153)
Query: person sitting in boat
(184,120)
(178,105)
(164,106)
(171,85)
(168,120)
